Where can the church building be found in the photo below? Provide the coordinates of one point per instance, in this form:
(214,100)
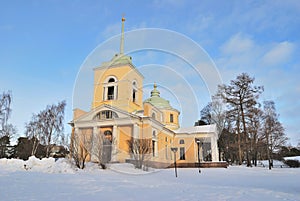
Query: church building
(119,114)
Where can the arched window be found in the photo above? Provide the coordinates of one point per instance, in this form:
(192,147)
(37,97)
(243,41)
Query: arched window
(153,134)
(153,115)
(134,91)
(108,135)
(181,141)
(111,80)
(110,88)
(182,153)
(106,114)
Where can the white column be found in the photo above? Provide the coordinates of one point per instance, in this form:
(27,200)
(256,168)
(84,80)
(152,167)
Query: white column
(214,149)
(115,140)
(156,149)
(104,93)
(115,92)
(94,137)
(201,152)
(135,133)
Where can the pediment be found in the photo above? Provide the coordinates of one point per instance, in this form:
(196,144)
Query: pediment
(105,112)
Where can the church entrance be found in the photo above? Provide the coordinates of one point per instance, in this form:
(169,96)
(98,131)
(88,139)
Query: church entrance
(107,146)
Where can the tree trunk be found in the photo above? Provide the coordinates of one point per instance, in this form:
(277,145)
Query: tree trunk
(246,137)
(239,140)
(268,150)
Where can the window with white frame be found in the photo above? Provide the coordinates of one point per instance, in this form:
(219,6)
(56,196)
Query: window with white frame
(110,90)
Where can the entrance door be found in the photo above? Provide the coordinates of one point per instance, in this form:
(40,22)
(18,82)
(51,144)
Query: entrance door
(107,146)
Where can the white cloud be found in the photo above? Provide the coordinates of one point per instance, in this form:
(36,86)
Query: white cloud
(238,43)
(241,53)
(280,52)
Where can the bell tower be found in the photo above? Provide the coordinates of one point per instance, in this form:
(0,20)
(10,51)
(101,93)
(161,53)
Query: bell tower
(118,83)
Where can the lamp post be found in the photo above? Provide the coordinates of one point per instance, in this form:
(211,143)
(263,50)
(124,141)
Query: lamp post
(174,150)
(198,141)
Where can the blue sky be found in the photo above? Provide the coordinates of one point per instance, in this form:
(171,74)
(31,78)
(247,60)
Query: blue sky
(44,43)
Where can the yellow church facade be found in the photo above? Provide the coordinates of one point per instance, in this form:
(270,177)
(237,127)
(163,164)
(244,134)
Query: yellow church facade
(120,114)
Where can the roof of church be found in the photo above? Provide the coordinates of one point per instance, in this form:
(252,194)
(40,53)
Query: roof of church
(118,59)
(158,101)
(197,129)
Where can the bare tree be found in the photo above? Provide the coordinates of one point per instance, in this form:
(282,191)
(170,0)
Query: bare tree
(9,130)
(79,147)
(240,96)
(254,125)
(4,143)
(273,131)
(102,149)
(65,140)
(74,150)
(218,114)
(98,149)
(46,125)
(33,131)
(205,114)
(214,113)
(5,111)
(140,149)
(51,120)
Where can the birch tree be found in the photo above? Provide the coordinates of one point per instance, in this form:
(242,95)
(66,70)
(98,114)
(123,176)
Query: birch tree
(5,112)
(47,125)
(272,130)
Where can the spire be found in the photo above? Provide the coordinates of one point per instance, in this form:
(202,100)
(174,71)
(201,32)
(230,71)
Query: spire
(122,37)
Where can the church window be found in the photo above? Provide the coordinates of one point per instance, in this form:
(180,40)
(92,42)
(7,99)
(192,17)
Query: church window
(182,153)
(154,134)
(134,95)
(110,93)
(134,91)
(153,115)
(110,89)
(106,114)
(181,141)
(111,80)
(153,147)
(166,151)
(171,118)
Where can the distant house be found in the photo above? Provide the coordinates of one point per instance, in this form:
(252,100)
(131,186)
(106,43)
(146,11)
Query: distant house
(58,151)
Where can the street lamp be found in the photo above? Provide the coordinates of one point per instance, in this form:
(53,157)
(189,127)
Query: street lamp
(198,141)
(174,150)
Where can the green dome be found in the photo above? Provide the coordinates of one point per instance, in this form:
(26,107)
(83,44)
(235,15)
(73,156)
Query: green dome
(157,101)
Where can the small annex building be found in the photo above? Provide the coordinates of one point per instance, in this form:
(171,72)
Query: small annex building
(119,114)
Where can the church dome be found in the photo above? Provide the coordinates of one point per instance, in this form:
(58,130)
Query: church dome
(157,101)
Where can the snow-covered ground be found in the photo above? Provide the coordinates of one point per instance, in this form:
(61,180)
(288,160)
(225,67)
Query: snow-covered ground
(49,180)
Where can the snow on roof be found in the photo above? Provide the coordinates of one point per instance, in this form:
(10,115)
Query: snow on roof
(197,129)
